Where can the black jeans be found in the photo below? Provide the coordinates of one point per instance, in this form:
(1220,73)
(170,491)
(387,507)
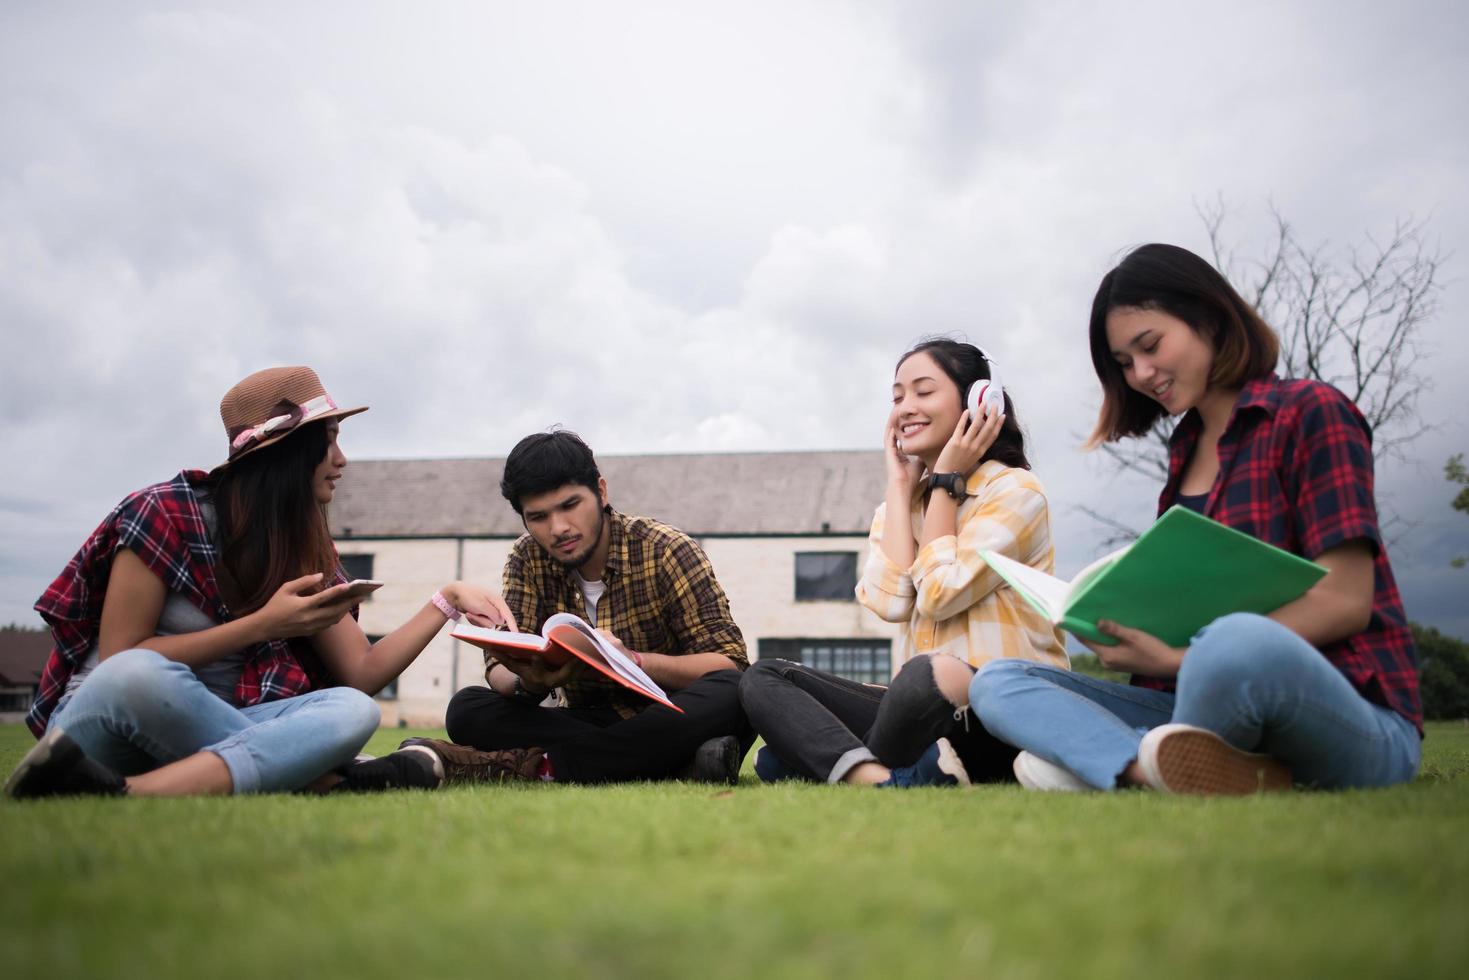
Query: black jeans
(822,725)
(597,745)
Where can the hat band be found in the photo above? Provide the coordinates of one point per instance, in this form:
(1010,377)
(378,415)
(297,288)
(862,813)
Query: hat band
(303,413)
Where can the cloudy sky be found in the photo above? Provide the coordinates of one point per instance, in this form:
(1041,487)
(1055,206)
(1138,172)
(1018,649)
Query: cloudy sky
(671,226)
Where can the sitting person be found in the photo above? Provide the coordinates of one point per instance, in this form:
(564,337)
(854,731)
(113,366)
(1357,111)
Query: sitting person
(956,485)
(199,630)
(649,589)
(1321,692)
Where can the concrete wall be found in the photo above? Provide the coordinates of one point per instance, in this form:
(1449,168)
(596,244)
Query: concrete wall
(758,574)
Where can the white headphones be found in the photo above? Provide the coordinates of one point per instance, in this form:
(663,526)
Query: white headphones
(986,394)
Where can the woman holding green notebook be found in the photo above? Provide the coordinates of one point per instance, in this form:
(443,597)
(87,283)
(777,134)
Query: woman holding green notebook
(1322,691)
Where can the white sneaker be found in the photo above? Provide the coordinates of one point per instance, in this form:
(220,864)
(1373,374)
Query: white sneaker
(1041,774)
(1185,759)
(950,763)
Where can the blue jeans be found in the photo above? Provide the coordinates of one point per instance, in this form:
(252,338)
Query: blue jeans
(138,710)
(1246,678)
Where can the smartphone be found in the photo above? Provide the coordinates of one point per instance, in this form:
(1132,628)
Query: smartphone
(360,588)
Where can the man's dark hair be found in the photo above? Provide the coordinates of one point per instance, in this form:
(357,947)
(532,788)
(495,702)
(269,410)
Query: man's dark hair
(547,460)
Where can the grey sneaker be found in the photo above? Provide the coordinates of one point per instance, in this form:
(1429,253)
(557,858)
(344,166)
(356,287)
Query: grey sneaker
(716,761)
(1184,759)
(57,766)
(465,764)
(1042,774)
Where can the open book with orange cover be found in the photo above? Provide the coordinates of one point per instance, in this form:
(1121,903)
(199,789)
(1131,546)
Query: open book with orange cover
(562,637)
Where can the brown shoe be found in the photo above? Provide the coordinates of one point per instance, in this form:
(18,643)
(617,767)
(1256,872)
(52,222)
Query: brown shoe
(465,764)
(1184,759)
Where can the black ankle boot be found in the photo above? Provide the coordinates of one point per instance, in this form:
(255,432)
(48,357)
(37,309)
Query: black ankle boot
(57,766)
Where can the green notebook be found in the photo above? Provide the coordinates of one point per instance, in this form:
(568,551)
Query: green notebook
(1183,573)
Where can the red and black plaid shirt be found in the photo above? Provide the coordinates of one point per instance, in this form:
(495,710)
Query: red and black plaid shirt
(1295,470)
(163,526)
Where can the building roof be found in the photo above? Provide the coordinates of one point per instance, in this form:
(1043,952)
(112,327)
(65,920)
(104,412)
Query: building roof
(22,655)
(832,492)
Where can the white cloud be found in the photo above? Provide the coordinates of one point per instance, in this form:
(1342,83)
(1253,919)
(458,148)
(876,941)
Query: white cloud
(668,229)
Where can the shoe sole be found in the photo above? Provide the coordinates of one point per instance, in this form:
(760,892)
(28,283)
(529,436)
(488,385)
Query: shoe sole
(39,755)
(1195,761)
(1032,772)
(1021,769)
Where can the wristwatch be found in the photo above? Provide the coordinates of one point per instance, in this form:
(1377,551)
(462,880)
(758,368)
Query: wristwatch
(950,483)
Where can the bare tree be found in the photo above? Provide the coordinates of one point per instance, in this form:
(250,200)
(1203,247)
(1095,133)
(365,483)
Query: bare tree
(1456,472)
(1352,317)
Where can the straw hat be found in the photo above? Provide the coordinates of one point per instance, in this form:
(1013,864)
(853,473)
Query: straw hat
(269,405)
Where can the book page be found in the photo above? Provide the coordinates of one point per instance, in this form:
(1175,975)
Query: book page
(614,658)
(481,636)
(1046,592)
(1080,580)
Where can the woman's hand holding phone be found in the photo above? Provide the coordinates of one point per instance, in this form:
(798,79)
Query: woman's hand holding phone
(297,609)
(361,588)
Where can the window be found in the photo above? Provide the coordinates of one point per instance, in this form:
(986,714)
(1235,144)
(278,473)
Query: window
(864,661)
(826,575)
(16,698)
(358,566)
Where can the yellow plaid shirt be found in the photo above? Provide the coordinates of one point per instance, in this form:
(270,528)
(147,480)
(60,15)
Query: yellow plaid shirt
(949,600)
(662,597)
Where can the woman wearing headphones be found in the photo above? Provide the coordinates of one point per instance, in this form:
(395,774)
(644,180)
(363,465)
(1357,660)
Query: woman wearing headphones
(958,482)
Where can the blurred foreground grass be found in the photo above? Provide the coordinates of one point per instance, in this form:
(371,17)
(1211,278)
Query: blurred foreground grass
(678,880)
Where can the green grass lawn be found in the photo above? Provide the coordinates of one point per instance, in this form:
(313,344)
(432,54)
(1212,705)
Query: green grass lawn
(677,880)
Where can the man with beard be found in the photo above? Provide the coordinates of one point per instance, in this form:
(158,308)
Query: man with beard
(649,589)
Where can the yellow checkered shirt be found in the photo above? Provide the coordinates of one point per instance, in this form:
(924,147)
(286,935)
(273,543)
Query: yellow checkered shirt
(949,600)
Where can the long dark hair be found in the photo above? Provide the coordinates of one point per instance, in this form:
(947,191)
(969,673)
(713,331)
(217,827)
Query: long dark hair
(1179,283)
(271,527)
(964,365)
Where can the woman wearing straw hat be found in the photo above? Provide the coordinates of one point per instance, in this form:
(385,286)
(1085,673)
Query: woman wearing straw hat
(200,630)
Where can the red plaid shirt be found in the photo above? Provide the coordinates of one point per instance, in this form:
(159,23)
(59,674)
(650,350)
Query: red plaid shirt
(1295,470)
(163,526)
